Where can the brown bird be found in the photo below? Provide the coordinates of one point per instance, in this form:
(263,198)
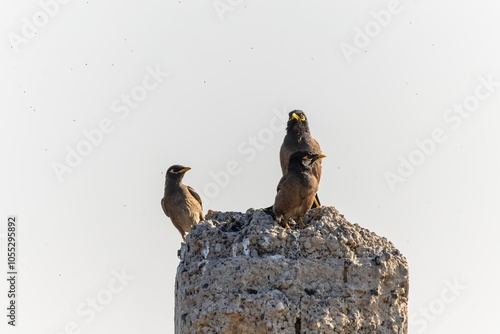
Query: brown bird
(297,188)
(298,138)
(180,202)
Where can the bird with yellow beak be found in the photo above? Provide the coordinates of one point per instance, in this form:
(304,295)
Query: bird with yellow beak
(298,138)
(297,188)
(180,202)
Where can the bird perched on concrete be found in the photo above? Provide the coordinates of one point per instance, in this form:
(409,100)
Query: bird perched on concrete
(297,188)
(298,138)
(180,202)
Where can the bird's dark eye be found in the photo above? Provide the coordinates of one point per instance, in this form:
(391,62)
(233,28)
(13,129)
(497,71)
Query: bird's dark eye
(302,117)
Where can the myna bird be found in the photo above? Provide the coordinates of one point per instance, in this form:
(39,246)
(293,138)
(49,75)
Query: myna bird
(180,202)
(297,188)
(298,138)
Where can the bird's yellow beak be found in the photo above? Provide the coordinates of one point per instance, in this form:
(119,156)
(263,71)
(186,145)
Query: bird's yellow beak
(300,118)
(321,156)
(185,169)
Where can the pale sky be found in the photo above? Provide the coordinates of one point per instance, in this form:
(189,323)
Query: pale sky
(100,98)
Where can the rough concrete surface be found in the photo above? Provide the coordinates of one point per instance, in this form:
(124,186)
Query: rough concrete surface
(242,273)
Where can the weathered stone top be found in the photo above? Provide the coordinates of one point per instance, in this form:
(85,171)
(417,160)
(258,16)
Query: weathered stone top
(243,273)
(327,234)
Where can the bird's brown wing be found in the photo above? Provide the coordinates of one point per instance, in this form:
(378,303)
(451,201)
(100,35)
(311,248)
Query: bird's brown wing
(198,198)
(308,193)
(316,170)
(315,146)
(164,208)
(288,196)
(195,194)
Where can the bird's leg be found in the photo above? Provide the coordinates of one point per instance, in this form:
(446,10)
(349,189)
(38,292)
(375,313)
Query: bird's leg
(282,222)
(316,203)
(302,223)
(286,225)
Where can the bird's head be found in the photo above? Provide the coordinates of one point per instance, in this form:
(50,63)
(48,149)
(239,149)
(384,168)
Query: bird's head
(303,159)
(297,122)
(176,172)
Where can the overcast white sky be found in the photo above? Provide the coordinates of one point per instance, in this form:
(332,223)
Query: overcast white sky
(174,82)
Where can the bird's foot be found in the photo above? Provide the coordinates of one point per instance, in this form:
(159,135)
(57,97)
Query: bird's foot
(283,223)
